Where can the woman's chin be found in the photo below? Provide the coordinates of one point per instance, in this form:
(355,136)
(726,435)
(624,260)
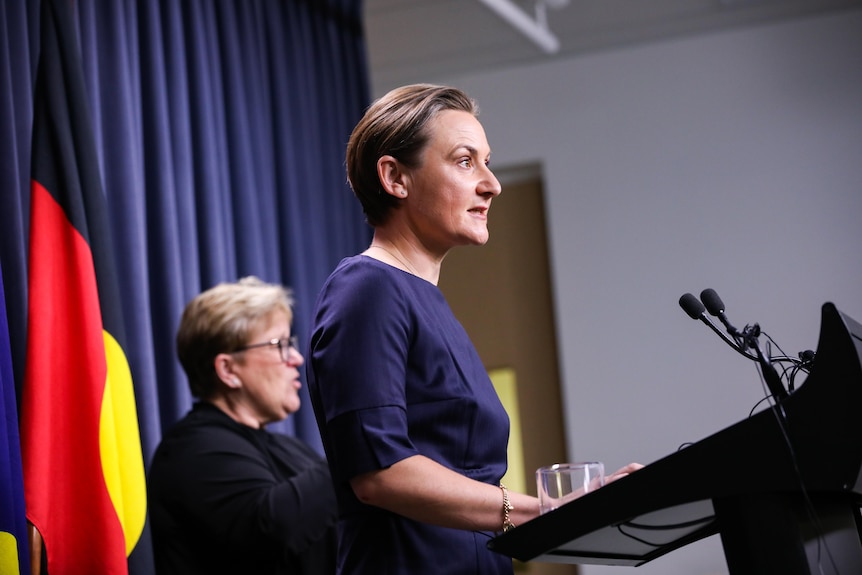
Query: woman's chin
(292,406)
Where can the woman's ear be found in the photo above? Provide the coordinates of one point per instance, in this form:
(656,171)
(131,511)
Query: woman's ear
(224,367)
(392,176)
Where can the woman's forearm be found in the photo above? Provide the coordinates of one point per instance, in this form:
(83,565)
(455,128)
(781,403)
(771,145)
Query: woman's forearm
(423,490)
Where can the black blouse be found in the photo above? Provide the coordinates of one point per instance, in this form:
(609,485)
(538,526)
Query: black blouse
(227,498)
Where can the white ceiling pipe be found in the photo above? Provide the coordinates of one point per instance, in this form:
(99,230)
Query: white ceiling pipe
(534,29)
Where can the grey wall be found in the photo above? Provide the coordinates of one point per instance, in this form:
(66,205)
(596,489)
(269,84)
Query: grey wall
(731,161)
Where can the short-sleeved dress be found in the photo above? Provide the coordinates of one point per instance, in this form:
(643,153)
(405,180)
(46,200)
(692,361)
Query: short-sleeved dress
(392,374)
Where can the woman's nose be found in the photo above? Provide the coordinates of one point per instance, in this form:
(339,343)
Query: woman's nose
(490,184)
(295,358)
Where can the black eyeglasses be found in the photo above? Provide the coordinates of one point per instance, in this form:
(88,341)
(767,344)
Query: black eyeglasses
(284,346)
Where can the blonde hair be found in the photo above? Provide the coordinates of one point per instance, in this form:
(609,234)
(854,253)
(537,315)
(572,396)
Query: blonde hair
(220,320)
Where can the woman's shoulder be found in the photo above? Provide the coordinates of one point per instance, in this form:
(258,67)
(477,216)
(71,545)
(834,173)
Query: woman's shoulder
(363,277)
(361,265)
(363,290)
(205,424)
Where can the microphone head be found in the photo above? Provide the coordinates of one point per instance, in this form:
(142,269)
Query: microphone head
(691,305)
(712,302)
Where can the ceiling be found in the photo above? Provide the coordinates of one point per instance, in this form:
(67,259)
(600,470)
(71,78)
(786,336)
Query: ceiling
(427,40)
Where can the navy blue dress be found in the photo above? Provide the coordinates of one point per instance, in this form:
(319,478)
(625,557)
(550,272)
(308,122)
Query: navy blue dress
(393,374)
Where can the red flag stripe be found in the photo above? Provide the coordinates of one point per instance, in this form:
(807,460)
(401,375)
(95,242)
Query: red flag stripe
(66,494)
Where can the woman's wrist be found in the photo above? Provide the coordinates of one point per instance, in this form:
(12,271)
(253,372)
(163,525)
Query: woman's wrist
(525,507)
(507,509)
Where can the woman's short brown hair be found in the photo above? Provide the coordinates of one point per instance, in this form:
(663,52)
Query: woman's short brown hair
(221,320)
(395,125)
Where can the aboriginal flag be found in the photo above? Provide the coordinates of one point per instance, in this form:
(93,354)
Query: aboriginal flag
(84,477)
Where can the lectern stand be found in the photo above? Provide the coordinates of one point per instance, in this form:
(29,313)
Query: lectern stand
(782,488)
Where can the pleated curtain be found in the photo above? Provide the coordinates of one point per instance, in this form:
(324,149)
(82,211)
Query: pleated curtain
(220,127)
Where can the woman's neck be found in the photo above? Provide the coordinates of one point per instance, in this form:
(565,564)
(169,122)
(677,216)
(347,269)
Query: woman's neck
(404,255)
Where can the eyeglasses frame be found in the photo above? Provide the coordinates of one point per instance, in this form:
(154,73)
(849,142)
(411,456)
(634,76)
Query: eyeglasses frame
(291,342)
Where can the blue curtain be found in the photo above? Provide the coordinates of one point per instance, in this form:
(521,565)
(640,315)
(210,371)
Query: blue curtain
(220,127)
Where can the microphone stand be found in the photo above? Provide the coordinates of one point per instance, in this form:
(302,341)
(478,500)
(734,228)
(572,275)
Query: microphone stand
(750,336)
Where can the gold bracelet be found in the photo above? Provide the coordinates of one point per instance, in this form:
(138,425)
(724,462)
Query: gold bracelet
(507,507)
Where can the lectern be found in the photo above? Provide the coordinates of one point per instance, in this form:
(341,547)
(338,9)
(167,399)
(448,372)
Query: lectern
(782,487)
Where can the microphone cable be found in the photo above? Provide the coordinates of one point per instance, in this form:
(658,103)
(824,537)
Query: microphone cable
(715,306)
(807,503)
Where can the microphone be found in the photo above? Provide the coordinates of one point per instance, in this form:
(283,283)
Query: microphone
(692,306)
(696,310)
(715,307)
(747,338)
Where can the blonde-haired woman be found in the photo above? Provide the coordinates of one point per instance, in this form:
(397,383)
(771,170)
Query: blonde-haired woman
(226,495)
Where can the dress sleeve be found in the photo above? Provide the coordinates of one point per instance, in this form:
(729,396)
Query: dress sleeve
(359,351)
